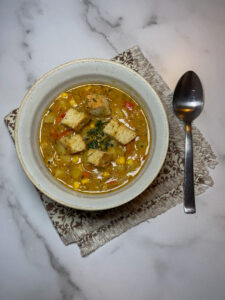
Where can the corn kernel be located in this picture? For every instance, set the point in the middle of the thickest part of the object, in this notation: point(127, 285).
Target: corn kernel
point(92, 125)
point(104, 187)
point(72, 102)
point(80, 167)
point(64, 95)
point(75, 159)
point(76, 185)
point(130, 161)
point(87, 88)
point(106, 174)
point(44, 145)
point(120, 160)
point(85, 181)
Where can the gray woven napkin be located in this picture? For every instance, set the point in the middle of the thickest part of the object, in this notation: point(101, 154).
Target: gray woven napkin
point(91, 230)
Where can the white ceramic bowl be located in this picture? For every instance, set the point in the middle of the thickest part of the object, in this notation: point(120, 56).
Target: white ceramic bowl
point(69, 75)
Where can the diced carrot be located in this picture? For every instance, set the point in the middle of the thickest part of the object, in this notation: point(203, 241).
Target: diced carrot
point(129, 147)
point(98, 89)
point(84, 94)
point(66, 132)
point(70, 96)
point(57, 109)
point(58, 119)
point(86, 174)
point(112, 182)
point(129, 105)
point(57, 135)
point(89, 167)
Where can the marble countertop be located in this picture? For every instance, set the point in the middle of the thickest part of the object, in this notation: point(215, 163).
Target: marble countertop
point(174, 256)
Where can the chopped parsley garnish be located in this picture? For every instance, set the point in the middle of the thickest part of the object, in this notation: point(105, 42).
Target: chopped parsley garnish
point(96, 138)
point(106, 144)
point(98, 130)
point(93, 144)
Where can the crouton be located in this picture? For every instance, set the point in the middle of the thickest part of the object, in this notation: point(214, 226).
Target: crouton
point(73, 143)
point(111, 128)
point(97, 105)
point(125, 135)
point(120, 132)
point(75, 119)
point(98, 158)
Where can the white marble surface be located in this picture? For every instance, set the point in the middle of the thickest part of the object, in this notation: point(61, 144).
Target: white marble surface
point(174, 256)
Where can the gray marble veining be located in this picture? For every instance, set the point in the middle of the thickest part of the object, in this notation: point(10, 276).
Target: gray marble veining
point(27, 234)
point(97, 23)
point(25, 14)
point(149, 261)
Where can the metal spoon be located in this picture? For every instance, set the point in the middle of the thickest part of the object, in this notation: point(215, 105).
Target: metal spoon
point(187, 104)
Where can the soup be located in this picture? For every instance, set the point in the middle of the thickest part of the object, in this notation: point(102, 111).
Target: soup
point(94, 138)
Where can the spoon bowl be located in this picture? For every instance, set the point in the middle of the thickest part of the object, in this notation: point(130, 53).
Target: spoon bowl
point(188, 102)
point(188, 97)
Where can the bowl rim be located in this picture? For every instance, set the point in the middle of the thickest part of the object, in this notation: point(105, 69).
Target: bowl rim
point(25, 99)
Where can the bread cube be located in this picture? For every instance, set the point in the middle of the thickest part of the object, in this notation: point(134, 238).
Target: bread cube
point(73, 143)
point(111, 128)
point(75, 119)
point(120, 132)
point(125, 135)
point(98, 158)
point(97, 105)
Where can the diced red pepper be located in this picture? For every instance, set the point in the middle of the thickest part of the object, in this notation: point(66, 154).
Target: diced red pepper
point(63, 115)
point(129, 105)
point(60, 116)
point(86, 174)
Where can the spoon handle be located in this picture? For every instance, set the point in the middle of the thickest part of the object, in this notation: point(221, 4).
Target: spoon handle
point(189, 193)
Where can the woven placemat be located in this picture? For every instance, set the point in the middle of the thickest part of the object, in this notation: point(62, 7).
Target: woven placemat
point(91, 230)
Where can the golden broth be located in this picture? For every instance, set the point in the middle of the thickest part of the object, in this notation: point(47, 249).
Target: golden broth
point(74, 171)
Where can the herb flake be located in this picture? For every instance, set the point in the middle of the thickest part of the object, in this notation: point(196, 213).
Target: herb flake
point(96, 138)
